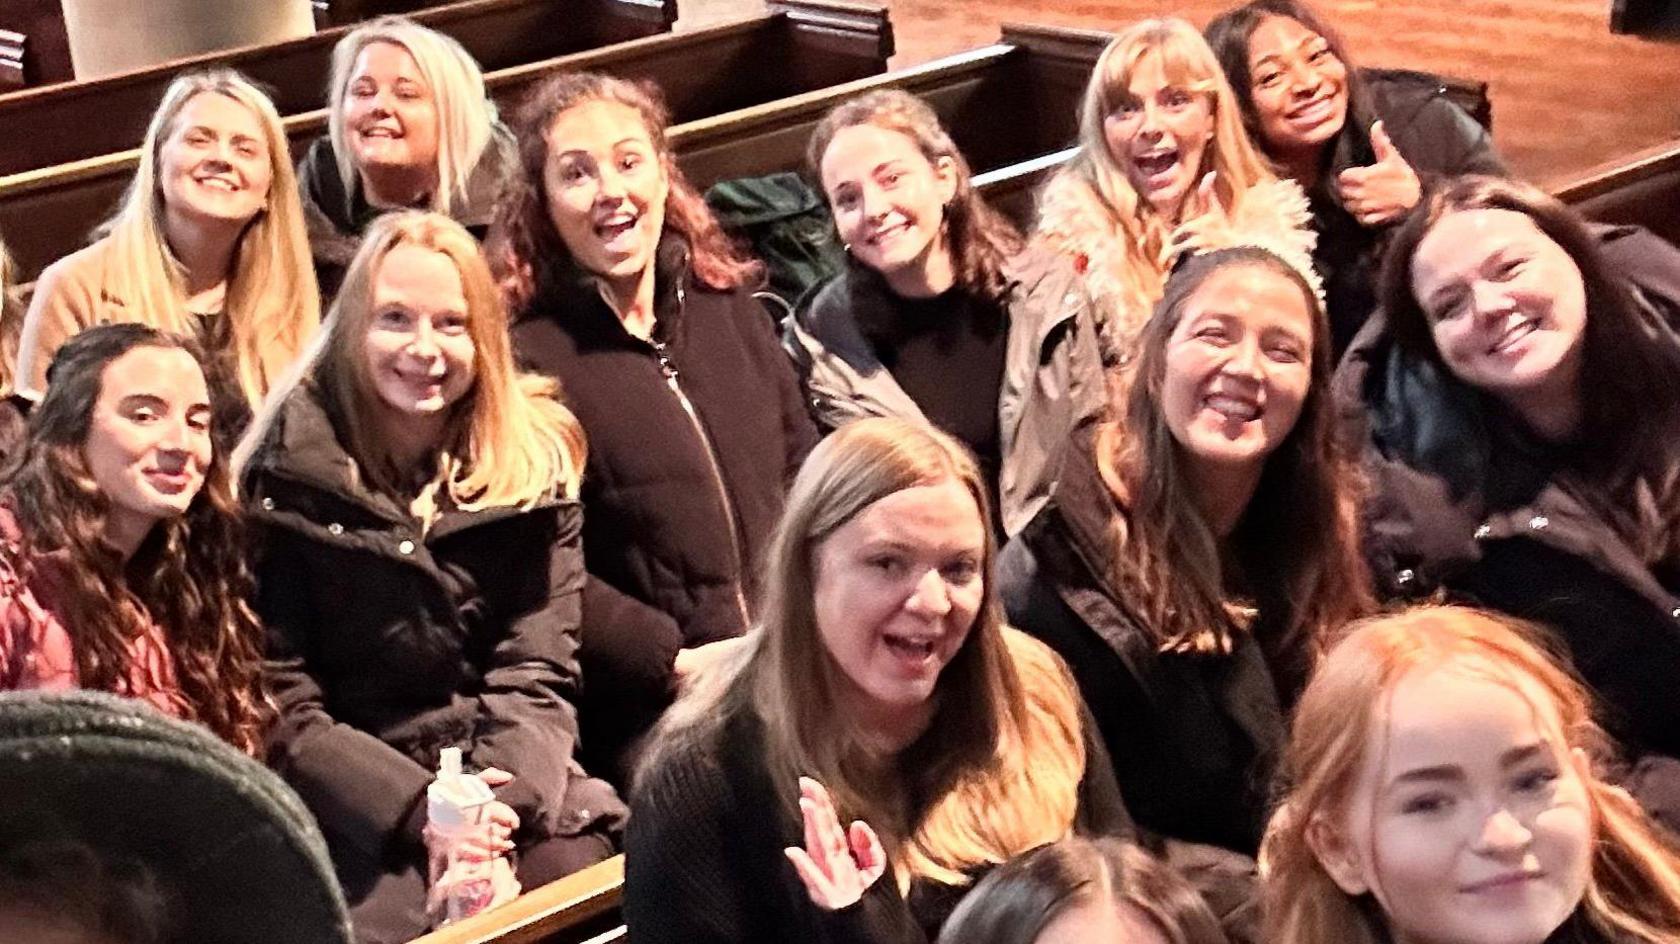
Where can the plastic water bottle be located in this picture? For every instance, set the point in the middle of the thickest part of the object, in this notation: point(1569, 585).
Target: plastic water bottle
point(454, 806)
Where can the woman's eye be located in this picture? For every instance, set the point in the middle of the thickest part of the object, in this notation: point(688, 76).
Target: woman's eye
point(1267, 79)
point(1536, 781)
point(1319, 55)
point(1284, 354)
point(1127, 109)
point(892, 178)
point(1426, 804)
point(199, 422)
point(452, 324)
point(1508, 268)
point(1213, 333)
point(961, 572)
point(1176, 98)
point(392, 318)
point(888, 565)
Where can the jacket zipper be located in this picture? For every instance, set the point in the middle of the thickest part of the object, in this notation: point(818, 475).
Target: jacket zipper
point(669, 369)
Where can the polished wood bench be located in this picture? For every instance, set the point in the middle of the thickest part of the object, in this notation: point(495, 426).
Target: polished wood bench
point(578, 909)
point(72, 121)
point(1642, 188)
point(796, 46)
point(1003, 103)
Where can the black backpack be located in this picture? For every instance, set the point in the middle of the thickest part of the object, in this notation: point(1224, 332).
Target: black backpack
point(788, 226)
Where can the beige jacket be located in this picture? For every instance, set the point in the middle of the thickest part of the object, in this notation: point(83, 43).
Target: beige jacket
point(72, 294)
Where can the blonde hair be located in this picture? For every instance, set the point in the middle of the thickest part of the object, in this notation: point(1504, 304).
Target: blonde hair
point(272, 302)
point(1090, 207)
point(1634, 890)
point(1003, 756)
point(11, 325)
point(510, 440)
point(466, 118)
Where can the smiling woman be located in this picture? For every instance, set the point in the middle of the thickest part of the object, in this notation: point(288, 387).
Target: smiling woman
point(419, 574)
point(628, 292)
point(100, 585)
point(881, 689)
point(1164, 166)
point(941, 315)
point(410, 126)
point(1196, 549)
point(209, 242)
point(1518, 397)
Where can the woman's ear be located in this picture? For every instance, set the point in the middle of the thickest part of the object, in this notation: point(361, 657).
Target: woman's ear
point(1337, 856)
point(945, 171)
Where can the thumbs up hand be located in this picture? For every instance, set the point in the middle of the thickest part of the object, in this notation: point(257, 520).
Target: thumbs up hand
point(1384, 191)
point(1206, 224)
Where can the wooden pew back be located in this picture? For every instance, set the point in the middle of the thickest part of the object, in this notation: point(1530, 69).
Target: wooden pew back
point(48, 213)
point(72, 121)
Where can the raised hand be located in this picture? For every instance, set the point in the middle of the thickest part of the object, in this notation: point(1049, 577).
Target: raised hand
point(1206, 222)
point(837, 865)
point(1384, 191)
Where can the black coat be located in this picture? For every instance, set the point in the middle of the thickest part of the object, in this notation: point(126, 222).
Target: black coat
point(680, 504)
point(704, 861)
point(336, 218)
point(1464, 502)
point(1193, 738)
point(386, 645)
point(1437, 137)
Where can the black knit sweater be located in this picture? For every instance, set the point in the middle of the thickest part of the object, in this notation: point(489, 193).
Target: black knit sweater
point(704, 861)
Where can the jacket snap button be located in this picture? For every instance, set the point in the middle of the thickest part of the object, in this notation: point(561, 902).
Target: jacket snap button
point(1405, 576)
point(407, 546)
point(1483, 531)
point(267, 503)
point(1675, 612)
point(335, 529)
point(1539, 522)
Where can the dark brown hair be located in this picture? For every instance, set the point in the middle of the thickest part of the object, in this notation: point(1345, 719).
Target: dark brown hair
point(1634, 399)
point(527, 253)
point(189, 576)
point(982, 240)
point(1296, 546)
point(1020, 898)
point(1229, 33)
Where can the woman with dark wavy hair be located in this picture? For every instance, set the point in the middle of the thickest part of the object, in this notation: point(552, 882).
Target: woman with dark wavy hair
point(1518, 400)
point(1200, 545)
point(625, 288)
point(1362, 143)
point(121, 553)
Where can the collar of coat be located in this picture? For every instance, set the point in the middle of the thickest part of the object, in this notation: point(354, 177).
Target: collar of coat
point(303, 450)
point(569, 292)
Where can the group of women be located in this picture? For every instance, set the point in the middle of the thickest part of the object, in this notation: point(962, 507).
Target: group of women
point(991, 601)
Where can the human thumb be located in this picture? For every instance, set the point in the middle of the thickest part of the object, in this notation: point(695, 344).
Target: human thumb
point(1380, 143)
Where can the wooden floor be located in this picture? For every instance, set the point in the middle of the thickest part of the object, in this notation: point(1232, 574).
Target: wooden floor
point(1567, 94)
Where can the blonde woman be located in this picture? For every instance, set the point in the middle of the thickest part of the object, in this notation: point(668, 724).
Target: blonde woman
point(420, 574)
point(208, 242)
point(1164, 165)
point(409, 126)
point(880, 688)
point(1445, 786)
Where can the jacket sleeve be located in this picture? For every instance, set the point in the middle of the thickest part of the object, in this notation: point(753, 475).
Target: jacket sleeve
point(527, 721)
point(799, 431)
point(62, 306)
point(1448, 142)
point(628, 646)
point(362, 790)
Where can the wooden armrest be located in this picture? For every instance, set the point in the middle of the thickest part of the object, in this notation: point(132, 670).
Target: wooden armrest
point(541, 912)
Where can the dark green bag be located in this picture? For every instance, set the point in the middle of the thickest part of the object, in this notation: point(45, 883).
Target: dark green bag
point(788, 226)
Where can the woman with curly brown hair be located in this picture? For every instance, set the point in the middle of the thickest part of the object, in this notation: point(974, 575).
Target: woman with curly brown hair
point(121, 554)
point(625, 288)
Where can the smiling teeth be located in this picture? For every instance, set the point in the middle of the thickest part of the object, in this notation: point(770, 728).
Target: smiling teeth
point(1232, 408)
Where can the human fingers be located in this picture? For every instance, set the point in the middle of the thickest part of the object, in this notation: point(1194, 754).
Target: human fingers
point(816, 882)
point(867, 851)
point(495, 776)
point(1381, 145)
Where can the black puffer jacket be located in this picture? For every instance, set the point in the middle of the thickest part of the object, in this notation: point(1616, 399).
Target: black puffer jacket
point(336, 217)
point(692, 440)
point(1193, 738)
point(387, 644)
point(1463, 501)
point(1434, 135)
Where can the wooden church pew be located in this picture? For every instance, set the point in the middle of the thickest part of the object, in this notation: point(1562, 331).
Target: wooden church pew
point(71, 121)
point(577, 909)
point(1003, 103)
point(795, 46)
point(1641, 188)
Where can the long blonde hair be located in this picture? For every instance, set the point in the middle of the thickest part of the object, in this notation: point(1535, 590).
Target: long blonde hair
point(1634, 890)
point(1090, 208)
point(466, 117)
point(272, 302)
point(510, 440)
point(1004, 754)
